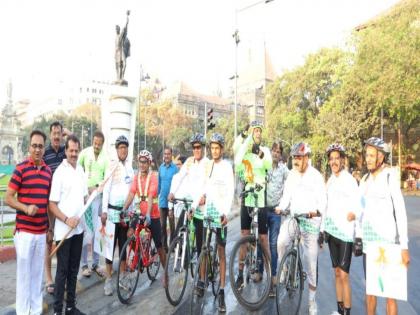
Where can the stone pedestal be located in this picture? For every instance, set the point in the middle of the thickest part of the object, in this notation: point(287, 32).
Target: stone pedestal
point(119, 118)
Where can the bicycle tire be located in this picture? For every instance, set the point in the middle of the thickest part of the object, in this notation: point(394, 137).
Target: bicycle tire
point(289, 284)
point(182, 274)
point(153, 268)
point(215, 272)
point(196, 302)
point(249, 241)
point(130, 272)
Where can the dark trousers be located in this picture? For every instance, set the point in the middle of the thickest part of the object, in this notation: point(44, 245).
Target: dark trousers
point(273, 221)
point(68, 263)
point(164, 215)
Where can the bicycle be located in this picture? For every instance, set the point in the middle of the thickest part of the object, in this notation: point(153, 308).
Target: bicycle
point(209, 260)
point(140, 254)
point(250, 294)
point(290, 276)
point(180, 258)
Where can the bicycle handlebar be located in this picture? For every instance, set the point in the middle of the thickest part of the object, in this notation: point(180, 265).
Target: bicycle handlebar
point(301, 215)
point(184, 200)
point(251, 190)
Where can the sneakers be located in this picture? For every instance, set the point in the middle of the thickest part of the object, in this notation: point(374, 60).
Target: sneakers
point(73, 311)
point(257, 277)
point(199, 289)
point(98, 271)
point(239, 283)
point(86, 272)
point(222, 304)
point(313, 309)
point(272, 292)
point(108, 290)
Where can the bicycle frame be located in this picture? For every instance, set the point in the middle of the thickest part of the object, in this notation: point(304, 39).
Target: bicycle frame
point(142, 249)
point(184, 231)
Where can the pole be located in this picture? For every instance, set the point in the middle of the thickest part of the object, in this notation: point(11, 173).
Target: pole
point(205, 120)
point(82, 136)
point(138, 108)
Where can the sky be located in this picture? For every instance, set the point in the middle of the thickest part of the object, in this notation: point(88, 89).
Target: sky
point(47, 41)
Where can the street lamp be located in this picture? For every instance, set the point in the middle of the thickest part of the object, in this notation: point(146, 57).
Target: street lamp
point(235, 36)
point(142, 78)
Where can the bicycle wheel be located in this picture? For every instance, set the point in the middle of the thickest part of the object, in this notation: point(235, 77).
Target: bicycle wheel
point(153, 268)
point(176, 272)
point(196, 302)
point(215, 272)
point(251, 292)
point(193, 260)
point(128, 279)
point(289, 284)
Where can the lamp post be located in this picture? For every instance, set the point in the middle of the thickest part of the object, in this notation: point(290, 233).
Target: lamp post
point(235, 36)
point(142, 78)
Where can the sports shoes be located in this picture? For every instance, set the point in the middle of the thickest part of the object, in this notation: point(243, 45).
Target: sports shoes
point(313, 308)
point(73, 311)
point(86, 272)
point(239, 283)
point(108, 290)
point(199, 289)
point(222, 304)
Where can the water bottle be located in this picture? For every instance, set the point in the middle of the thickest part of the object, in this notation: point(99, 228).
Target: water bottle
point(143, 237)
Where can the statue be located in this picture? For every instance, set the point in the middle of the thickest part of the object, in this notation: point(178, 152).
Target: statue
point(122, 52)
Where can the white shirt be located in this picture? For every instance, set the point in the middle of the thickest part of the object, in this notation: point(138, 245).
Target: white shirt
point(118, 186)
point(219, 188)
point(377, 219)
point(305, 193)
point(342, 197)
point(68, 189)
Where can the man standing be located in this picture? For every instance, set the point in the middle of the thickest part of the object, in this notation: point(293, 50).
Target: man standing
point(114, 194)
point(276, 178)
point(166, 172)
point(53, 156)
point(68, 193)
point(384, 217)
point(94, 163)
point(252, 162)
point(31, 180)
point(338, 223)
point(304, 192)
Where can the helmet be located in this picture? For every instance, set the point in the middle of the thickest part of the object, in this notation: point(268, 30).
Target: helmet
point(217, 138)
point(300, 149)
point(121, 140)
point(257, 124)
point(198, 138)
point(336, 147)
point(146, 154)
point(379, 144)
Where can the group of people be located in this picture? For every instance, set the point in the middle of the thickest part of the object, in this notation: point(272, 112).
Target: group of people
point(49, 191)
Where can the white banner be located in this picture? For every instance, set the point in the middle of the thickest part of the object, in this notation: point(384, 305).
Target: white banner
point(104, 239)
point(386, 275)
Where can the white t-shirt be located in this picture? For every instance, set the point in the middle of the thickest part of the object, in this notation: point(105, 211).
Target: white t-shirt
point(68, 189)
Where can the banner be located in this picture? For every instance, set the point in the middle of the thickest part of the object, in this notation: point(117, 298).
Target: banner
point(386, 275)
point(104, 239)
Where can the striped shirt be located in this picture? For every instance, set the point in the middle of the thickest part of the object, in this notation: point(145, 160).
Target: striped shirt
point(33, 187)
point(54, 158)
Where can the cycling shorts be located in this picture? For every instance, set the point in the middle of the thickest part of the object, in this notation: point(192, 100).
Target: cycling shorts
point(340, 253)
point(246, 219)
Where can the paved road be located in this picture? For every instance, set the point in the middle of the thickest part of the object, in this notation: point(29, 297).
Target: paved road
point(150, 297)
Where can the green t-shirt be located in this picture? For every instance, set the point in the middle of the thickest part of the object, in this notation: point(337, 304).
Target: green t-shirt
point(253, 169)
point(94, 168)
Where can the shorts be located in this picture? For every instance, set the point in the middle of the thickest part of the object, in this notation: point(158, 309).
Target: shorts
point(340, 253)
point(199, 237)
point(121, 237)
point(246, 219)
point(155, 229)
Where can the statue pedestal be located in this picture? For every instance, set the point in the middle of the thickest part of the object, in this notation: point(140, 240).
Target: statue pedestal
point(119, 118)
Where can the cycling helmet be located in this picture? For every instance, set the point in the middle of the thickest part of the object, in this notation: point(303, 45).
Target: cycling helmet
point(379, 144)
point(198, 138)
point(336, 147)
point(257, 124)
point(146, 154)
point(300, 149)
point(217, 138)
point(121, 140)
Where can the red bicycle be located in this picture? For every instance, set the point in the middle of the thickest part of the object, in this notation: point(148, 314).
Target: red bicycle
point(139, 254)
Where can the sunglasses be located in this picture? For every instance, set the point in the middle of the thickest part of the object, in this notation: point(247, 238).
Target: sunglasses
point(196, 147)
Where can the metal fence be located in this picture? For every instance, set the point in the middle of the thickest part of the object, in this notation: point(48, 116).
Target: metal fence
point(4, 218)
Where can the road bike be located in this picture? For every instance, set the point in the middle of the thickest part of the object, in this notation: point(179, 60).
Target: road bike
point(253, 290)
point(139, 254)
point(181, 257)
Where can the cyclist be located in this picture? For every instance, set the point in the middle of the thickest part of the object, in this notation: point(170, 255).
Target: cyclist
point(191, 178)
point(145, 185)
point(304, 192)
point(383, 210)
point(219, 190)
point(252, 162)
point(113, 197)
point(338, 223)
